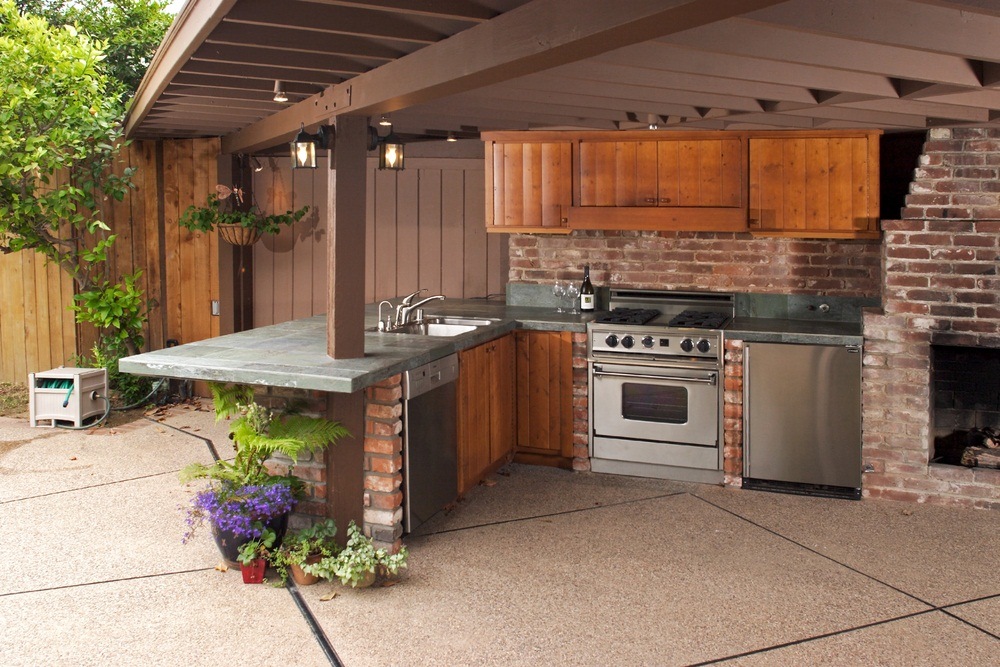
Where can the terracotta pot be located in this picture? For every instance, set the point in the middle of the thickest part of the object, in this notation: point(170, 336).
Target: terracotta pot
point(300, 577)
point(238, 234)
point(229, 544)
point(254, 572)
point(368, 580)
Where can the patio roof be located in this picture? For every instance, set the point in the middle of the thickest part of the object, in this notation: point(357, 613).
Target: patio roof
point(465, 66)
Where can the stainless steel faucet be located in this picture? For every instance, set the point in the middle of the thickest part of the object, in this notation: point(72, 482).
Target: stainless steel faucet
point(403, 311)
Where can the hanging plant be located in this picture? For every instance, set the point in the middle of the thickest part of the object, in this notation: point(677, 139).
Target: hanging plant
point(224, 211)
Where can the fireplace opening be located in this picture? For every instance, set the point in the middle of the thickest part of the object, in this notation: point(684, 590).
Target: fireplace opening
point(965, 385)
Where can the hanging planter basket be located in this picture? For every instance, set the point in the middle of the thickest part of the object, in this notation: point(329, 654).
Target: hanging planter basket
point(238, 234)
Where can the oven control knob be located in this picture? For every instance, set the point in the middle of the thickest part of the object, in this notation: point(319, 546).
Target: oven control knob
point(704, 346)
point(687, 345)
point(628, 342)
point(647, 341)
point(611, 340)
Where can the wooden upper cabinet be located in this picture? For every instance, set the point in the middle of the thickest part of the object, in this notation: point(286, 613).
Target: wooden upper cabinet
point(674, 181)
point(528, 184)
point(821, 185)
point(693, 172)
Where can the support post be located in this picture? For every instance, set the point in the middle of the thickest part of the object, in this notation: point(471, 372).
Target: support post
point(345, 315)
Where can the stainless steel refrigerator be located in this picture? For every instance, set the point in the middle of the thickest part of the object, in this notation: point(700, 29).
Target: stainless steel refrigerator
point(802, 419)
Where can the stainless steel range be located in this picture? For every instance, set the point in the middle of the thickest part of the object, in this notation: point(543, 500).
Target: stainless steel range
point(656, 369)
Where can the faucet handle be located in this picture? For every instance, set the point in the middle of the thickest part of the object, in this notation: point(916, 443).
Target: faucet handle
point(408, 299)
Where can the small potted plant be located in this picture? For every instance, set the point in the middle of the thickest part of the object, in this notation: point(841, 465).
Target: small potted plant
point(253, 556)
point(306, 546)
point(237, 224)
point(359, 564)
point(241, 492)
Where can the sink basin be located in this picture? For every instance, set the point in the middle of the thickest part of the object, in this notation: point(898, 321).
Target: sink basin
point(431, 328)
point(442, 326)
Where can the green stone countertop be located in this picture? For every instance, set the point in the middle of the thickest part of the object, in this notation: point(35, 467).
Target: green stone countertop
point(779, 330)
point(293, 354)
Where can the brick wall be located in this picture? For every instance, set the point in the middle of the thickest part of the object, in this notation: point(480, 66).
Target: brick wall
point(701, 260)
point(310, 468)
point(732, 418)
point(941, 287)
point(383, 501)
point(581, 417)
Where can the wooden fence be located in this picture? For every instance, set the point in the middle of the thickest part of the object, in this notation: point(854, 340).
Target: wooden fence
point(180, 269)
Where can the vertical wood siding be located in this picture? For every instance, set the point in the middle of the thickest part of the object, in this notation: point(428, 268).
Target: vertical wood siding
point(37, 329)
point(425, 229)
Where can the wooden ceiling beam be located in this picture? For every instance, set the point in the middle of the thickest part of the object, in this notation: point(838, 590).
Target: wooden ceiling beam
point(239, 56)
point(317, 77)
point(534, 37)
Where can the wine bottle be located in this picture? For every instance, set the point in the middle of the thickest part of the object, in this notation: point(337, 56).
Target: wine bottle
point(586, 291)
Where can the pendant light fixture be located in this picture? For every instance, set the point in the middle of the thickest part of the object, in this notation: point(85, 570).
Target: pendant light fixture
point(279, 91)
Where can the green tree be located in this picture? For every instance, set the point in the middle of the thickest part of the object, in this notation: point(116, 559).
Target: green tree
point(131, 31)
point(59, 137)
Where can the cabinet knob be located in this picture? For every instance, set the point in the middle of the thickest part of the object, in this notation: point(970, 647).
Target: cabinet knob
point(650, 200)
point(664, 200)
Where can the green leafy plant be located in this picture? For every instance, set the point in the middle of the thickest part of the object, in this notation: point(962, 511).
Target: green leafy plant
point(258, 433)
point(226, 207)
point(259, 547)
point(131, 389)
point(60, 138)
point(298, 547)
point(359, 563)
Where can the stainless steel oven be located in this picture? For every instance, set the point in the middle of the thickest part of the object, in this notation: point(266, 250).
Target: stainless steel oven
point(656, 387)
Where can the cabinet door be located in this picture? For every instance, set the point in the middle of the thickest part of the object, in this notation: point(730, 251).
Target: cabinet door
point(618, 173)
point(545, 397)
point(528, 186)
point(690, 172)
point(501, 361)
point(485, 409)
point(815, 186)
point(473, 416)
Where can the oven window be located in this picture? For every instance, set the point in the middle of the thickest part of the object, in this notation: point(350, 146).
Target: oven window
point(654, 403)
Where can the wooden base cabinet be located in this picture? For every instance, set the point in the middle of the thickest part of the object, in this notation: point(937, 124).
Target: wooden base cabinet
point(544, 398)
point(485, 410)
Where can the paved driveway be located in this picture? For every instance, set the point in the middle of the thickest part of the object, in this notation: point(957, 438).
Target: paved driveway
point(540, 567)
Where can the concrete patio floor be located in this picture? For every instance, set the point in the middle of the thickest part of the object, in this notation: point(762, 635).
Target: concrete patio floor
point(540, 567)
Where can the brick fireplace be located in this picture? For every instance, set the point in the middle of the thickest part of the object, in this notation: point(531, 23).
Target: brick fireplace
point(940, 289)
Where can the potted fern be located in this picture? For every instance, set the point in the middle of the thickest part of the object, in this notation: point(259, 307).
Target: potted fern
point(237, 224)
point(242, 498)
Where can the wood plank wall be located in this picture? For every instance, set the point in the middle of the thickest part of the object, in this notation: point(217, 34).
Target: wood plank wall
point(425, 229)
point(37, 329)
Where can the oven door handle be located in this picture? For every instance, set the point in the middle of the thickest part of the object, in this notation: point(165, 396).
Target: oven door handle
point(710, 380)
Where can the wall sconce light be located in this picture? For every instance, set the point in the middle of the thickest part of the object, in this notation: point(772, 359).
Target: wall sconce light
point(390, 154)
point(256, 164)
point(385, 122)
point(279, 91)
point(451, 137)
point(304, 146)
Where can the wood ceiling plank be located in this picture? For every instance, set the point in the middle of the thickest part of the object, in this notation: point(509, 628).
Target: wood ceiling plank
point(303, 40)
point(462, 10)
point(784, 44)
point(240, 56)
point(950, 30)
point(341, 20)
point(534, 37)
point(262, 72)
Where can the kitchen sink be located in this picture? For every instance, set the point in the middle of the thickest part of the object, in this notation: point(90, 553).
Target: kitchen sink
point(441, 326)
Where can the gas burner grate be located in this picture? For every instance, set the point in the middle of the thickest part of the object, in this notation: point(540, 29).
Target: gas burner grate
point(695, 319)
point(627, 316)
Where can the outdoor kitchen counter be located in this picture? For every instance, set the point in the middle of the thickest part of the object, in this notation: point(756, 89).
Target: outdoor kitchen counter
point(807, 332)
point(293, 354)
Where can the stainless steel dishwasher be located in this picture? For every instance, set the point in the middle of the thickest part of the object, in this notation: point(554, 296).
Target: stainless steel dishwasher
point(430, 440)
point(802, 420)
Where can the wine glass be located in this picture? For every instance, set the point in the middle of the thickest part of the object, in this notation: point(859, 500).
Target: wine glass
point(573, 292)
point(559, 291)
